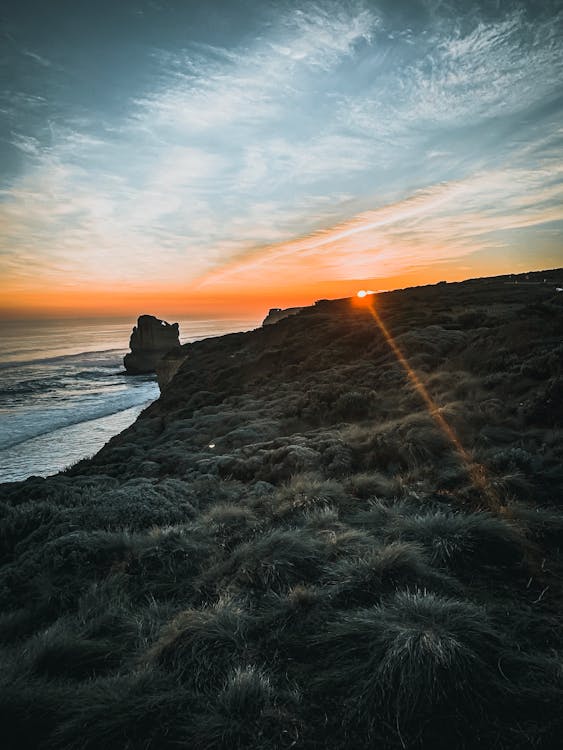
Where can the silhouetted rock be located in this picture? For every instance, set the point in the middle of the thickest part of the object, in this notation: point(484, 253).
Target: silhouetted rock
point(277, 313)
point(150, 340)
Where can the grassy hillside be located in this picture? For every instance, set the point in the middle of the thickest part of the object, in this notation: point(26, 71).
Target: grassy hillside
point(339, 531)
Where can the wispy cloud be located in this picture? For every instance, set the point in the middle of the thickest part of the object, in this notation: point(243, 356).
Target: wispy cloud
point(445, 221)
point(207, 87)
point(460, 77)
point(150, 187)
point(37, 58)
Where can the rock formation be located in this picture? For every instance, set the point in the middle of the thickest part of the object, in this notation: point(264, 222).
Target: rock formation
point(276, 313)
point(150, 340)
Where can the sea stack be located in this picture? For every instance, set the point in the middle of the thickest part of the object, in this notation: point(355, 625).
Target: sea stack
point(150, 340)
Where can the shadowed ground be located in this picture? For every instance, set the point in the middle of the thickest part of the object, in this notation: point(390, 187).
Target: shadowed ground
point(339, 531)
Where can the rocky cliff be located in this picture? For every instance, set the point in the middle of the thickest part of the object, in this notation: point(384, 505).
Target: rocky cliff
point(150, 340)
point(277, 313)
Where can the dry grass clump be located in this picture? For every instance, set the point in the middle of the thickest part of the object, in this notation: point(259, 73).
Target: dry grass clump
point(250, 713)
point(202, 645)
point(306, 492)
point(274, 561)
point(462, 540)
point(361, 582)
point(412, 663)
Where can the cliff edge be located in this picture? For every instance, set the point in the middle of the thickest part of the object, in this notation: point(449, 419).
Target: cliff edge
point(277, 313)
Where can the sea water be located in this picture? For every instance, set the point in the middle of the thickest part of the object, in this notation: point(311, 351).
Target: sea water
point(64, 392)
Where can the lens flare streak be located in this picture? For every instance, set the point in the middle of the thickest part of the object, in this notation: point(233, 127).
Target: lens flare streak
point(475, 471)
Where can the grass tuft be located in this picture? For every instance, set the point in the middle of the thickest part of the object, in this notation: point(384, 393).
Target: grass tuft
point(202, 646)
point(361, 582)
point(411, 661)
point(468, 541)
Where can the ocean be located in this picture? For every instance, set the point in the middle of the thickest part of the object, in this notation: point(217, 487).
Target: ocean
point(64, 392)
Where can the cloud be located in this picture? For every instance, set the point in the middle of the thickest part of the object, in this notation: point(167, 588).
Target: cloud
point(26, 143)
point(445, 221)
point(209, 87)
point(37, 58)
point(458, 76)
point(326, 140)
point(168, 180)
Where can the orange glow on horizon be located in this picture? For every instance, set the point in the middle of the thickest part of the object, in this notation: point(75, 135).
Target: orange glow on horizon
point(242, 296)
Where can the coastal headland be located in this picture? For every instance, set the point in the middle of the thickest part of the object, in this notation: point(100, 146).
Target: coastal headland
point(342, 530)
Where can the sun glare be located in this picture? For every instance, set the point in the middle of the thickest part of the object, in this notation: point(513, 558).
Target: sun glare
point(362, 293)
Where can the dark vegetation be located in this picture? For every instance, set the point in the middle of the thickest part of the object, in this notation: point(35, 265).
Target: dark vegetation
point(334, 572)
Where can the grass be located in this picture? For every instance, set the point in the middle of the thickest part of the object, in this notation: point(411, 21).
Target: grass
point(360, 582)
point(201, 645)
point(415, 661)
point(331, 574)
point(457, 540)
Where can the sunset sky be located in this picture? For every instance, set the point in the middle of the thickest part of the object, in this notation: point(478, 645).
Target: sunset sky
point(213, 157)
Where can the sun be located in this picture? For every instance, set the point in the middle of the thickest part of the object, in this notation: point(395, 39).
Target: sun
point(362, 293)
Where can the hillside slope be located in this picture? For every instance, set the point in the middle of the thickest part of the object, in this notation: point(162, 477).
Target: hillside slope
point(339, 531)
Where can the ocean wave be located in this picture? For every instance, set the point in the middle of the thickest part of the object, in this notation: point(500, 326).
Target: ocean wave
point(39, 387)
point(65, 358)
point(32, 421)
point(46, 454)
point(20, 383)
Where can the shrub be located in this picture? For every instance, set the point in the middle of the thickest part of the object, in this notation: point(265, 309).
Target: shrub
point(30, 710)
point(71, 657)
point(164, 563)
point(306, 492)
point(229, 524)
point(22, 622)
point(19, 523)
point(354, 405)
point(373, 485)
point(287, 622)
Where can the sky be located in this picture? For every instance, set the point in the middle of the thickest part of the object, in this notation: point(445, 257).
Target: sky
point(226, 157)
